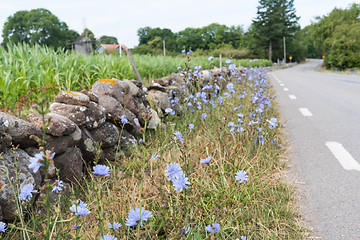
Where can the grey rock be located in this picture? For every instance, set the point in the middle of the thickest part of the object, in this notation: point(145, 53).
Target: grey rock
point(154, 121)
point(92, 96)
point(159, 99)
point(73, 98)
point(60, 144)
point(25, 176)
point(133, 89)
point(58, 125)
point(5, 139)
point(109, 87)
point(108, 135)
point(114, 110)
point(19, 130)
point(75, 113)
point(89, 147)
point(96, 116)
point(70, 165)
point(128, 142)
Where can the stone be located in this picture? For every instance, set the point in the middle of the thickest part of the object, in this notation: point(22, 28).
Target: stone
point(89, 148)
point(154, 121)
point(75, 113)
point(131, 104)
point(70, 165)
point(156, 86)
point(92, 96)
point(133, 89)
point(58, 125)
point(112, 107)
point(96, 116)
point(114, 110)
point(73, 98)
point(109, 87)
point(108, 135)
point(5, 139)
point(25, 176)
point(127, 142)
point(60, 144)
point(19, 130)
point(159, 99)
point(162, 81)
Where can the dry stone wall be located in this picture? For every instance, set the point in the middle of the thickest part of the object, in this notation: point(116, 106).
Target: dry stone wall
point(81, 126)
point(84, 126)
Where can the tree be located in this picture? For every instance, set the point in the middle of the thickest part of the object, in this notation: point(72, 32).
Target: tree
point(37, 26)
point(338, 37)
point(107, 40)
point(156, 36)
point(275, 19)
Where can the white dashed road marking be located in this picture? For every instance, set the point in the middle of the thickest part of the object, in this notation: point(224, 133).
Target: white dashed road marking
point(293, 97)
point(305, 112)
point(343, 156)
point(282, 84)
point(286, 89)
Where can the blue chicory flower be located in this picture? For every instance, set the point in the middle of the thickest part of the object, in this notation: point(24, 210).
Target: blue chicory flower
point(180, 182)
point(210, 58)
point(178, 135)
point(213, 228)
point(172, 170)
point(37, 161)
point(80, 208)
point(191, 126)
point(203, 116)
point(58, 185)
point(136, 215)
point(155, 157)
point(205, 160)
point(124, 119)
point(242, 176)
point(228, 61)
point(26, 192)
point(2, 226)
point(114, 226)
point(108, 237)
point(102, 170)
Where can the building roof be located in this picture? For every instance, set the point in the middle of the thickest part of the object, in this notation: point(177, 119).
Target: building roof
point(112, 46)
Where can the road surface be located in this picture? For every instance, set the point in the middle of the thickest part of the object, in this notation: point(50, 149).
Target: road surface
point(322, 116)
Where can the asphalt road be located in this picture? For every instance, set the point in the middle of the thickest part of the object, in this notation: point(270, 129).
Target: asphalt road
point(322, 116)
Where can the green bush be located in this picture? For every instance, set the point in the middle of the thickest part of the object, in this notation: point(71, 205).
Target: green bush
point(344, 47)
point(232, 53)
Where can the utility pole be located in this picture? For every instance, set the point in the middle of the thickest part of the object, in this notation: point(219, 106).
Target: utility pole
point(284, 51)
point(164, 47)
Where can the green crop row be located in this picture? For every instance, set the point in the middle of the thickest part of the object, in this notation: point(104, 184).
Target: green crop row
point(25, 68)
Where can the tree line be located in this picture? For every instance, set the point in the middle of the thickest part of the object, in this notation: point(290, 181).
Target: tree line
point(335, 36)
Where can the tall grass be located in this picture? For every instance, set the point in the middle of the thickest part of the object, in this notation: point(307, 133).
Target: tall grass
point(25, 68)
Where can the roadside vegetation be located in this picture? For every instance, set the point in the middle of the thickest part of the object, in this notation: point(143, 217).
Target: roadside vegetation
point(214, 173)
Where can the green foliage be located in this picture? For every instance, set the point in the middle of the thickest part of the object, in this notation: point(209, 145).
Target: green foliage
point(38, 26)
point(337, 35)
point(107, 40)
point(275, 19)
point(344, 47)
point(231, 53)
point(209, 37)
point(144, 49)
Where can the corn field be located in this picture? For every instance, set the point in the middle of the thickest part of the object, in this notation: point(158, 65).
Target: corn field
point(25, 68)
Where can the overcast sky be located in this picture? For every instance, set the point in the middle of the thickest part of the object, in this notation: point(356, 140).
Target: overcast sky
point(122, 18)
